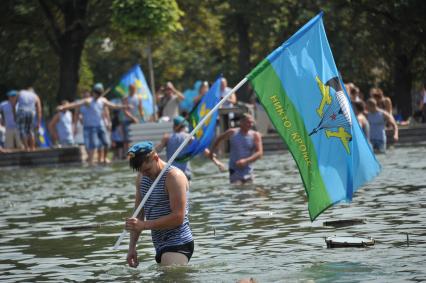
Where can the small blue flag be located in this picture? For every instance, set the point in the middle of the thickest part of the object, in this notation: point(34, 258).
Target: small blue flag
point(205, 135)
point(42, 136)
point(189, 94)
point(136, 77)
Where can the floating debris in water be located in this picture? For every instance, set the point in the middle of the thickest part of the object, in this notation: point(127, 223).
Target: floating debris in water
point(341, 242)
point(257, 213)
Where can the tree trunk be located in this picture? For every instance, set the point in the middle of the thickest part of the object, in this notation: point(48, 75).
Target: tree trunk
point(69, 30)
point(69, 66)
point(402, 85)
point(71, 43)
point(244, 54)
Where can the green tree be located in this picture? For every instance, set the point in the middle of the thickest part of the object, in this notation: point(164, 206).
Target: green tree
point(146, 18)
point(400, 27)
point(381, 43)
point(194, 53)
point(55, 45)
point(68, 23)
point(255, 28)
point(85, 74)
point(25, 55)
point(59, 28)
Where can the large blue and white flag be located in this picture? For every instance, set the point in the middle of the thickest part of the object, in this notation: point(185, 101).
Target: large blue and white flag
point(299, 86)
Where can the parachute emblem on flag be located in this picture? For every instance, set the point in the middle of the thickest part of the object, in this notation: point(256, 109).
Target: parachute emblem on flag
point(334, 112)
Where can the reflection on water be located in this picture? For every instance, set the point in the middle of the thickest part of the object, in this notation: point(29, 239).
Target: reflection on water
point(261, 231)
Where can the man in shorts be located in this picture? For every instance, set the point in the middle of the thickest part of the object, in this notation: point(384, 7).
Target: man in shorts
point(28, 111)
point(166, 210)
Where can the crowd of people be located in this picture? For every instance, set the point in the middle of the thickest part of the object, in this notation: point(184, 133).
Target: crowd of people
point(98, 123)
point(374, 116)
point(104, 124)
point(21, 117)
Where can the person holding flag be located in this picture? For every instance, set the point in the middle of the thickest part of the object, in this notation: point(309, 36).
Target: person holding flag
point(135, 101)
point(166, 211)
point(172, 141)
point(204, 87)
point(203, 137)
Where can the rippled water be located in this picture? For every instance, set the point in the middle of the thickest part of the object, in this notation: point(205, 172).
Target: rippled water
point(261, 231)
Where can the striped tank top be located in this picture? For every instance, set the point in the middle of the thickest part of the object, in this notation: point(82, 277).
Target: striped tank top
point(158, 205)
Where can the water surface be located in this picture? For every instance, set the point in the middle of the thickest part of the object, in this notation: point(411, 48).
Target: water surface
point(261, 231)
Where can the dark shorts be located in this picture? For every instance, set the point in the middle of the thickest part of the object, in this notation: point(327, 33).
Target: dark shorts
point(379, 145)
point(239, 176)
point(185, 249)
point(126, 131)
point(25, 122)
point(118, 144)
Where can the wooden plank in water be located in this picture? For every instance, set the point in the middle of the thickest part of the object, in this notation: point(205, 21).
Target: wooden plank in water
point(81, 227)
point(344, 222)
point(341, 242)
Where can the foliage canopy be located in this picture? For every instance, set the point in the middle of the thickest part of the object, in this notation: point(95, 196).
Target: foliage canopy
point(375, 43)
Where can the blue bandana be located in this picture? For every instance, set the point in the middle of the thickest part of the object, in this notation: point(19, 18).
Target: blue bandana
point(180, 121)
point(11, 93)
point(143, 148)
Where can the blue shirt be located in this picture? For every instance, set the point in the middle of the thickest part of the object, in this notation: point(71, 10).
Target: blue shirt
point(93, 113)
point(9, 119)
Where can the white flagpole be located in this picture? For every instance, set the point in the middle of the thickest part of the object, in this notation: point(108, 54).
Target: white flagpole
point(173, 157)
